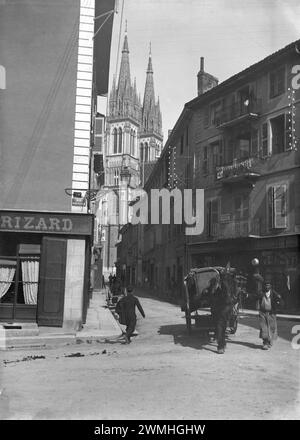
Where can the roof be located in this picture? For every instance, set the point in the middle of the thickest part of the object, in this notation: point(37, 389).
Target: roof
point(254, 68)
point(146, 170)
point(190, 105)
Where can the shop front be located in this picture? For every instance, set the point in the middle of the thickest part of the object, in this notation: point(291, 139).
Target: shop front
point(44, 267)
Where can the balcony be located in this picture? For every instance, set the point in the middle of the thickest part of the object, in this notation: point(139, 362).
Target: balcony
point(237, 229)
point(239, 112)
point(243, 172)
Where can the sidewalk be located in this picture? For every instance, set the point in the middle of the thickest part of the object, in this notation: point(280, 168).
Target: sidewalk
point(100, 325)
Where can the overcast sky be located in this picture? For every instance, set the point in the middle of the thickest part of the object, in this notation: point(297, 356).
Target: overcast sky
point(230, 35)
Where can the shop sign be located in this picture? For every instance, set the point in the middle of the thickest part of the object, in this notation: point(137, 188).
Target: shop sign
point(49, 223)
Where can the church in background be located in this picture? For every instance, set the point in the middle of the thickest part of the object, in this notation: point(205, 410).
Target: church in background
point(133, 143)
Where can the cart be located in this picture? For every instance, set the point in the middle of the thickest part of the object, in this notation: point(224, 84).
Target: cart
point(197, 296)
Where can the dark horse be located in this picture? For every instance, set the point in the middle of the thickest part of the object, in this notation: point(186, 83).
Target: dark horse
point(224, 295)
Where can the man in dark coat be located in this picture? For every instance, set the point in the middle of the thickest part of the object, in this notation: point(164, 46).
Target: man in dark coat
point(125, 308)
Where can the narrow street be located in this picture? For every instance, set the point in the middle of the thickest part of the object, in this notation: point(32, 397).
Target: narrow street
point(163, 374)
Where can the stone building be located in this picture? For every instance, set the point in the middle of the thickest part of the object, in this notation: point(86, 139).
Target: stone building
point(239, 141)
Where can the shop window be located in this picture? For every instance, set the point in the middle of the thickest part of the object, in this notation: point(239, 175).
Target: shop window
point(277, 206)
point(277, 82)
point(19, 276)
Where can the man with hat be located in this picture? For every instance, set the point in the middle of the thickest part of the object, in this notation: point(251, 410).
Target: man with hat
point(125, 308)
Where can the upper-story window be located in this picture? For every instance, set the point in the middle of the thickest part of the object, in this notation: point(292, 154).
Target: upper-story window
point(215, 113)
point(120, 140)
point(115, 138)
point(142, 152)
point(205, 160)
point(116, 177)
point(277, 206)
point(280, 134)
point(277, 82)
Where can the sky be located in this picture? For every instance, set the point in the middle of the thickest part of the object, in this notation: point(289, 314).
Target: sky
point(230, 34)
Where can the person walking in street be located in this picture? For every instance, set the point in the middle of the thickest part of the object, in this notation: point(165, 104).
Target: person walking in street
point(268, 301)
point(125, 308)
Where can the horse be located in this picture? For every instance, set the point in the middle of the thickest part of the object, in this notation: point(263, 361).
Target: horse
point(224, 294)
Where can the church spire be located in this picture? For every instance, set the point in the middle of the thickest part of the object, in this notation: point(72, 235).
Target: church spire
point(149, 97)
point(124, 75)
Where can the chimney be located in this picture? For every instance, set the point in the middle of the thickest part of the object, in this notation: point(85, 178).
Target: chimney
point(205, 80)
point(202, 64)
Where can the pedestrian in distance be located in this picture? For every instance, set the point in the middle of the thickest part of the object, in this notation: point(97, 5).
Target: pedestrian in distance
point(268, 303)
point(125, 308)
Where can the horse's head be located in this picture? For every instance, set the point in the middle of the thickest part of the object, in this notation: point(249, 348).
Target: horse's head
point(228, 282)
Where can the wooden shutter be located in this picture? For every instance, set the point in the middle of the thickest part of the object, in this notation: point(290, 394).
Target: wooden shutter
point(208, 218)
point(288, 138)
point(264, 139)
point(270, 201)
point(52, 282)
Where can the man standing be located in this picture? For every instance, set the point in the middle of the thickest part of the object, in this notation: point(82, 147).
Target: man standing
point(125, 308)
point(268, 302)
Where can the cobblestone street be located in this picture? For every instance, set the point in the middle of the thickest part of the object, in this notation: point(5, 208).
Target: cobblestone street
point(163, 374)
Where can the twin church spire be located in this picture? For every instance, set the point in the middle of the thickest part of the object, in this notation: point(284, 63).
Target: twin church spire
point(125, 102)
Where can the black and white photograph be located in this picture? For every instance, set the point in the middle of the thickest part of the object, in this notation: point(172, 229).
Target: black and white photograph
point(149, 214)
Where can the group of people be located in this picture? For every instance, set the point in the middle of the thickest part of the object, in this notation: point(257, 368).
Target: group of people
point(267, 302)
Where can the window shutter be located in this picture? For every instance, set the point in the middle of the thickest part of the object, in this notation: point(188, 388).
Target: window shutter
point(280, 211)
point(220, 153)
point(52, 282)
point(208, 218)
point(288, 133)
point(270, 197)
point(264, 139)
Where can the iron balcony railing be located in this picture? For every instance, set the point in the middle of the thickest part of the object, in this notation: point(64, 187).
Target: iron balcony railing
point(238, 168)
point(237, 229)
point(238, 110)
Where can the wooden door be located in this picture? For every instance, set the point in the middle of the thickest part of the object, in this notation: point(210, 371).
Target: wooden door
point(52, 282)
